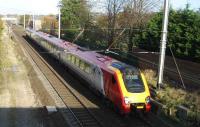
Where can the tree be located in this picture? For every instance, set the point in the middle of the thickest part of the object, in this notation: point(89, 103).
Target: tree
point(136, 15)
point(181, 38)
point(113, 8)
point(50, 24)
point(74, 13)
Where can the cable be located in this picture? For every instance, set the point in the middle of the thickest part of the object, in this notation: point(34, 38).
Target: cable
point(177, 67)
point(97, 29)
point(78, 36)
point(116, 39)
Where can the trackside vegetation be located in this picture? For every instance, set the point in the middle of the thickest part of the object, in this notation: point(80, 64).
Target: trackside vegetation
point(173, 97)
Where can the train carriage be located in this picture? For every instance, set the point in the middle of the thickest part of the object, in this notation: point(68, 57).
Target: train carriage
point(123, 85)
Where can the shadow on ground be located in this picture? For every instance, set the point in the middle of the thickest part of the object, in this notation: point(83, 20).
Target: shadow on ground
point(29, 117)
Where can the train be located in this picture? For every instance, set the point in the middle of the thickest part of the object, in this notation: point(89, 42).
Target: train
point(120, 84)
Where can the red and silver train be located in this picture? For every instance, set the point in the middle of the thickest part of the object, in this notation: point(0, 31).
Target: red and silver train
point(121, 84)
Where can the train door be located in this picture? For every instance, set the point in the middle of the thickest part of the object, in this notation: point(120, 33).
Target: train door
point(98, 79)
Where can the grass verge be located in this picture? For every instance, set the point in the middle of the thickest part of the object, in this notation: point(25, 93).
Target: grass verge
point(173, 97)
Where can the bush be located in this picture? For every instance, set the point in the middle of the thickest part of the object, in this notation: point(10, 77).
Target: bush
point(173, 97)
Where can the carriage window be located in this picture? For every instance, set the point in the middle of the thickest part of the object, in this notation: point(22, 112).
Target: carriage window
point(53, 48)
point(88, 68)
point(46, 45)
point(38, 39)
point(49, 46)
point(33, 35)
point(68, 57)
point(82, 65)
point(72, 59)
point(43, 42)
point(77, 61)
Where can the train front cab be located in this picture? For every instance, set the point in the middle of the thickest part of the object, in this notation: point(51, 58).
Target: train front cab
point(133, 98)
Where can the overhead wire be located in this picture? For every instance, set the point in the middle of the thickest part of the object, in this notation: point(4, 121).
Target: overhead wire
point(181, 78)
point(78, 36)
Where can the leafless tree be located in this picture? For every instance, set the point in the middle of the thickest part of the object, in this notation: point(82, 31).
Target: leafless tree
point(137, 13)
point(113, 8)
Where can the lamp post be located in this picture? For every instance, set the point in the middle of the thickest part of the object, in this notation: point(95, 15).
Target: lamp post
point(59, 18)
point(163, 43)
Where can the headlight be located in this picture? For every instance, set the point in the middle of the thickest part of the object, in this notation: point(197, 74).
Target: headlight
point(126, 100)
point(147, 99)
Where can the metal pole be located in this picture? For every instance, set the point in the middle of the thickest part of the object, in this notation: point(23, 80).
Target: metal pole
point(24, 21)
point(163, 43)
point(59, 23)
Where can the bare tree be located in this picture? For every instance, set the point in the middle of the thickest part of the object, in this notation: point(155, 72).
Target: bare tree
point(113, 8)
point(136, 14)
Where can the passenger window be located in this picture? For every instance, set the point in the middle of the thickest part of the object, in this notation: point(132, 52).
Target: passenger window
point(113, 80)
point(73, 59)
point(54, 48)
point(68, 57)
point(77, 61)
point(49, 46)
point(88, 68)
point(43, 42)
point(82, 65)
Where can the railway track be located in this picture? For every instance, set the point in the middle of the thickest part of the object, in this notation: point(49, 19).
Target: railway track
point(78, 112)
point(77, 105)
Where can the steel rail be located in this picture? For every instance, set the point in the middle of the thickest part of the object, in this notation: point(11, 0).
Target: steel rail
point(75, 115)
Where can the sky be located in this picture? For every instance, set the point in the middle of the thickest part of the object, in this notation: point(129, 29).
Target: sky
point(195, 4)
point(50, 6)
point(29, 6)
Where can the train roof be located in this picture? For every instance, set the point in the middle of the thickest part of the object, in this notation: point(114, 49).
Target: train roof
point(122, 66)
point(92, 57)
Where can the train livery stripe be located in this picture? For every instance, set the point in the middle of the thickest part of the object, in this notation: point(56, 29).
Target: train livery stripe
point(120, 80)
